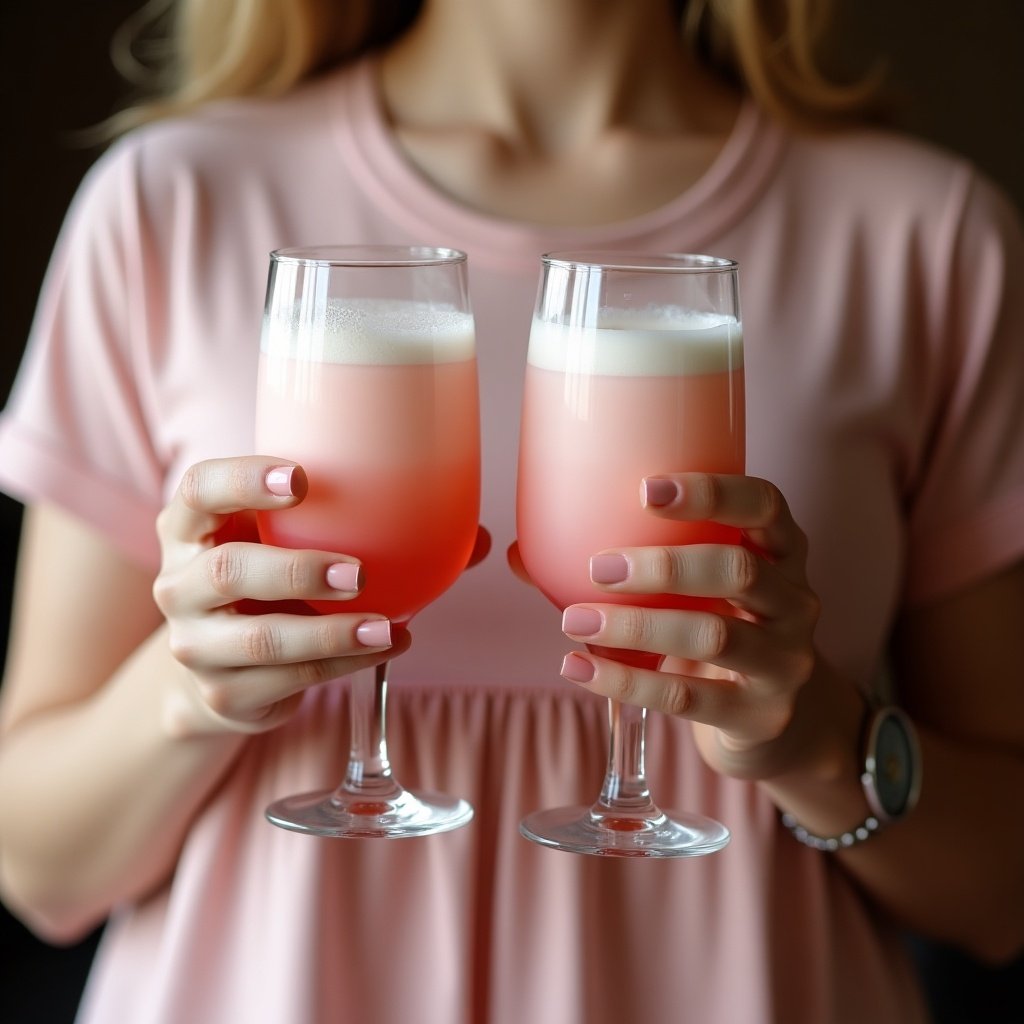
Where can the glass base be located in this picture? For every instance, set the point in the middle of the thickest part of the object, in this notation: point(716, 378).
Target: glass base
point(668, 834)
point(337, 814)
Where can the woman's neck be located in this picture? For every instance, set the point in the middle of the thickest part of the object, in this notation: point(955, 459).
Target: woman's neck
point(495, 100)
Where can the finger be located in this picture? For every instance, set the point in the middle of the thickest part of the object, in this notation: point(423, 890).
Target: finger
point(711, 701)
point(238, 693)
point(713, 571)
point(233, 572)
point(728, 643)
point(246, 641)
point(753, 505)
point(212, 490)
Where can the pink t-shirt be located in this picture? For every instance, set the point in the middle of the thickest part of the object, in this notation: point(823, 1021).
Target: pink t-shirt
point(885, 364)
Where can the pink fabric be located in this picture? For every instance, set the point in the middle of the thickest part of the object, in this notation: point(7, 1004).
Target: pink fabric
point(884, 368)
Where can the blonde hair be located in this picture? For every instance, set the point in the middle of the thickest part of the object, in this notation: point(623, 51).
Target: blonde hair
point(771, 48)
point(185, 53)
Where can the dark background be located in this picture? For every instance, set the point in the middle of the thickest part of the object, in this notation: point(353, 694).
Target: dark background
point(955, 78)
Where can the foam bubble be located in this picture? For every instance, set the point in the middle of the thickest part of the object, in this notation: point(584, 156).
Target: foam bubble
point(657, 341)
point(370, 331)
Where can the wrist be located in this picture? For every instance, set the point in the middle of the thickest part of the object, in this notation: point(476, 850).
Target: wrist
point(889, 776)
point(818, 784)
point(820, 747)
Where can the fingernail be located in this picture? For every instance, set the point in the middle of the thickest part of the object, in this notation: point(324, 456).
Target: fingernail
point(345, 576)
point(279, 481)
point(658, 492)
point(581, 621)
point(609, 568)
point(374, 633)
point(577, 669)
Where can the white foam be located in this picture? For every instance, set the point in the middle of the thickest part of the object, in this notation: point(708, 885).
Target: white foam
point(662, 341)
point(370, 332)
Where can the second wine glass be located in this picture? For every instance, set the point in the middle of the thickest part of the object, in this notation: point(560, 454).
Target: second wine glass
point(368, 379)
point(635, 368)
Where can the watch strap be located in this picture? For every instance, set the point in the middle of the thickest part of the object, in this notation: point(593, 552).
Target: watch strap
point(830, 844)
point(874, 822)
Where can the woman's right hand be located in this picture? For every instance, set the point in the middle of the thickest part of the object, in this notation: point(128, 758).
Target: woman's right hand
point(247, 648)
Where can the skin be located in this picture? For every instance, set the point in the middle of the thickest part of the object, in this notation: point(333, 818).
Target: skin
point(158, 681)
point(163, 680)
point(767, 707)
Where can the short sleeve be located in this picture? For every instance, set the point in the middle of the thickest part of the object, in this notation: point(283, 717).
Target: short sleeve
point(967, 511)
point(75, 431)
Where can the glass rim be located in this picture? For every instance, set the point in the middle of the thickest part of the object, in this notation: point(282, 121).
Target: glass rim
point(640, 262)
point(368, 256)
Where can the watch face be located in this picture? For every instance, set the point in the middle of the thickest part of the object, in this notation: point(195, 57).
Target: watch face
point(892, 764)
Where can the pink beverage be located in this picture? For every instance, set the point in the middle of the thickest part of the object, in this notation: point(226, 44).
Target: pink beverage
point(645, 393)
point(382, 412)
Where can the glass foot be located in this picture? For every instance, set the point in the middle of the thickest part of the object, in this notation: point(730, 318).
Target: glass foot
point(668, 834)
point(335, 813)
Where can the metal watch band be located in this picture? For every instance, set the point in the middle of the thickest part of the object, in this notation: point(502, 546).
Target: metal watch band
point(830, 844)
point(856, 835)
point(890, 778)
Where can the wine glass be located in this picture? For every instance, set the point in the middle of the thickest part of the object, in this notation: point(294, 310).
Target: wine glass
point(368, 379)
point(635, 368)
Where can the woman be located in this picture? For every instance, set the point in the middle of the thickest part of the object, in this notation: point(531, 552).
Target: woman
point(883, 356)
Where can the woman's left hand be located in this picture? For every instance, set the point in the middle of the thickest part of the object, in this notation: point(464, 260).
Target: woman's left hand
point(736, 674)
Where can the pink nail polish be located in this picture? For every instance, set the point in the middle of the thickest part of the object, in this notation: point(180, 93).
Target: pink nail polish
point(577, 669)
point(345, 576)
point(279, 481)
point(374, 633)
point(581, 621)
point(609, 568)
point(658, 492)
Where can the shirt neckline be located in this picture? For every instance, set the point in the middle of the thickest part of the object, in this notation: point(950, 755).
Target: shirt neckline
point(689, 222)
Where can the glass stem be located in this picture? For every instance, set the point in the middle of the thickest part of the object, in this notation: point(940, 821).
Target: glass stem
point(369, 770)
point(625, 797)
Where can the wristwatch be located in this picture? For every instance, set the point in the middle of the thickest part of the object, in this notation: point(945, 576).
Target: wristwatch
point(891, 778)
point(892, 764)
